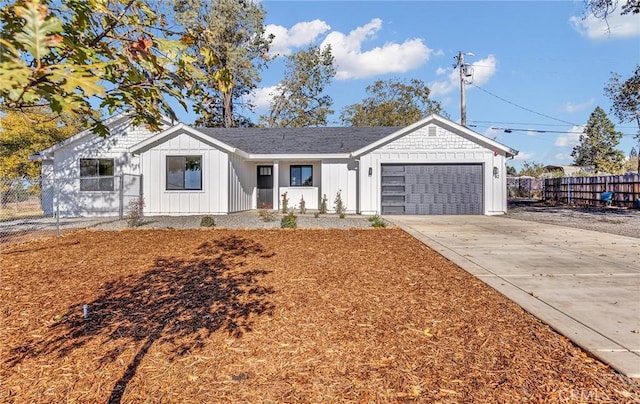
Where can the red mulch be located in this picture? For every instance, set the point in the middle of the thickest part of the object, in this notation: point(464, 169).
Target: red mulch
point(272, 316)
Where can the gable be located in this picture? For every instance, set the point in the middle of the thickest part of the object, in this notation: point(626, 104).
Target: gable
point(448, 134)
point(431, 137)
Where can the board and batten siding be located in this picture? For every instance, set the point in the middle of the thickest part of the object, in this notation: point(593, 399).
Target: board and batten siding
point(212, 199)
point(66, 170)
point(439, 146)
point(242, 184)
point(340, 176)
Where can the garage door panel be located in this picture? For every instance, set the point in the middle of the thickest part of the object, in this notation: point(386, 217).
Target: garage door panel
point(432, 189)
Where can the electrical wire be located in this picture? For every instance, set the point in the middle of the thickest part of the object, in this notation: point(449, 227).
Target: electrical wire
point(521, 107)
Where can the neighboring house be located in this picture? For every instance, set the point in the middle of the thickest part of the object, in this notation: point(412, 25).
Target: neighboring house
point(434, 166)
point(565, 170)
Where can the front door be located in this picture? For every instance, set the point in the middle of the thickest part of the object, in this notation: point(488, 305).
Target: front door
point(265, 187)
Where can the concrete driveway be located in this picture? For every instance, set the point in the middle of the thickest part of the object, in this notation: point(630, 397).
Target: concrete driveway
point(584, 284)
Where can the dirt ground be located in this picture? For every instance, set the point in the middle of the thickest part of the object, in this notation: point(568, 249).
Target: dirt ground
point(272, 316)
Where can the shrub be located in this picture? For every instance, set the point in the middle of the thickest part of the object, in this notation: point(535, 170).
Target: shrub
point(323, 205)
point(134, 213)
point(376, 221)
point(316, 214)
point(207, 221)
point(303, 206)
point(289, 221)
point(266, 214)
point(285, 203)
point(339, 205)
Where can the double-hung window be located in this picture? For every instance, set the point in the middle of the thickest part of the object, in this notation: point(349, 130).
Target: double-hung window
point(184, 173)
point(96, 174)
point(301, 176)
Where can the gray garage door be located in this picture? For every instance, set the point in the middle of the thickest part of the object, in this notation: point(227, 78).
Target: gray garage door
point(432, 189)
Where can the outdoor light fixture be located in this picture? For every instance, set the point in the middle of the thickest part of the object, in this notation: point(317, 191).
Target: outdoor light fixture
point(370, 171)
point(495, 172)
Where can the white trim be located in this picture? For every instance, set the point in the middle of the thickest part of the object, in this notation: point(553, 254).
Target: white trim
point(178, 129)
point(452, 126)
point(296, 157)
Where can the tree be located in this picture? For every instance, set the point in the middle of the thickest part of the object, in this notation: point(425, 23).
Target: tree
point(625, 98)
point(230, 39)
point(75, 56)
point(633, 162)
point(511, 171)
point(531, 169)
point(299, 100)
point(597, 145)
point(392, 103)
point(22, 134)
point(603, 8)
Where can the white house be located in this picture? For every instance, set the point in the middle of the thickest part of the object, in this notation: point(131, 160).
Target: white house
point(434, 166)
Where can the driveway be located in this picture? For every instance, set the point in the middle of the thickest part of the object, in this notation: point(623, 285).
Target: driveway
point(584, 284)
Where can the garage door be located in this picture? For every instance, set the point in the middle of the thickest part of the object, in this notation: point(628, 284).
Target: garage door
point(432, 189)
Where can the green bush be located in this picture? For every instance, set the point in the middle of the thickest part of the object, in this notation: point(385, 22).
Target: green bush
point(376, 221)
point(289, 221)
point(323, 205)
point(207, 221)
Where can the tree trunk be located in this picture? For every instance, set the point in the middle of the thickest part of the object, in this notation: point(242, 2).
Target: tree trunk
point(227, 109)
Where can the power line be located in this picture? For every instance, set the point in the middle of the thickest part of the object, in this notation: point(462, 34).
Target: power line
point(537, 124)
point(509, 130)
point(521, 107)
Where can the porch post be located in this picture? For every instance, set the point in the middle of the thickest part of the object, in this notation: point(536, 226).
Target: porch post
point(276, 185)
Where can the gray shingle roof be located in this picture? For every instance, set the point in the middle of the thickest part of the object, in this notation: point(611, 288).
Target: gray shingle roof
point(317, 140)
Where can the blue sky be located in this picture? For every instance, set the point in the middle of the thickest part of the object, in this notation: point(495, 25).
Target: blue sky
point(539, 64)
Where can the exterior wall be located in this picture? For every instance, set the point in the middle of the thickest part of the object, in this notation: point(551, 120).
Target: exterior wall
point(242, 184)
point(340, 176)
point(444, 147)
point(214, 196)
point(66, 170)
point(294, 194)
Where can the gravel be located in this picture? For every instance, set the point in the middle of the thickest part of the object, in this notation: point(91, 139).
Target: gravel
point(612, 220)
point(244, 220)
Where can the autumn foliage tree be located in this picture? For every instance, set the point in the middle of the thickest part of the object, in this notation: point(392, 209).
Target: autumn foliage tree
point(228, 37)
point(74, 57)
point(25, 133)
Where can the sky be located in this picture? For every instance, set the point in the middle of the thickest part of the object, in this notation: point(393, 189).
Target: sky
point(537, 65)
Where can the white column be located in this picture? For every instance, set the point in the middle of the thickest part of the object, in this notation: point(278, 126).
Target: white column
point(276, 185)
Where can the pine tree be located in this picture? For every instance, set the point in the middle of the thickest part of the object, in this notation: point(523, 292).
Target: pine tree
point(597, 147)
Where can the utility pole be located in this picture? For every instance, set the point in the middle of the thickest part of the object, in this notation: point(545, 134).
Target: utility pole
point(463, 74)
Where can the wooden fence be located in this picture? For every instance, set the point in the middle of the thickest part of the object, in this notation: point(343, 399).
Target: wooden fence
point(588, 190)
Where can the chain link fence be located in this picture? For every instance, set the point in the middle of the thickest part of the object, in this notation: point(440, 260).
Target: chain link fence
point(39, 207)
point(525, 188)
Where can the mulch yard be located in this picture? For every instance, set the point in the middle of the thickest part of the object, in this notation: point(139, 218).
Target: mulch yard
point(272, 316)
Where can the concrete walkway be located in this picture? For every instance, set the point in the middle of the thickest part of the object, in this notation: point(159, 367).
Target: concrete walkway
point(584, 284)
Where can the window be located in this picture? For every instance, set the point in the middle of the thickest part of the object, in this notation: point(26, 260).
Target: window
point(184, 173)
point(301, 176)
point(96, 174)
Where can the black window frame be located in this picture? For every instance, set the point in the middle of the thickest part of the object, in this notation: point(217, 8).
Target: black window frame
point(173, 187)
point(102, 177)
point(301, 167)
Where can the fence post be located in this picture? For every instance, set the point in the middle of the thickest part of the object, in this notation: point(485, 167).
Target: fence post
point(56, 187)
point(121, 196)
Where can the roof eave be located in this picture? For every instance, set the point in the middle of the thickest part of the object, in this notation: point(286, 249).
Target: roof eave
point(299, 157)
point(165, 134)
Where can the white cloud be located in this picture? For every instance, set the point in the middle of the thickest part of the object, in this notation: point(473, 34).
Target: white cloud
point(571, 107)
point(563, 158)
point(616, 26)
point(483, 70)
point(571, 138)
point(261, 97)
point(352, 62)
point(440, 71)
point(523, 155)
point(299, 35)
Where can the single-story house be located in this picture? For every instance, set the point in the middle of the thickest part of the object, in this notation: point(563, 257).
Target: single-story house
point(434, 166)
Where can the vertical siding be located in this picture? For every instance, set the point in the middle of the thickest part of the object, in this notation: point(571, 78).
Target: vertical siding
point(242, 184)
point(212, 199)
point(340, 176)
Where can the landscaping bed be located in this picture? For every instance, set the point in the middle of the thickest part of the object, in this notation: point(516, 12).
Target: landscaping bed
point(358, 315)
